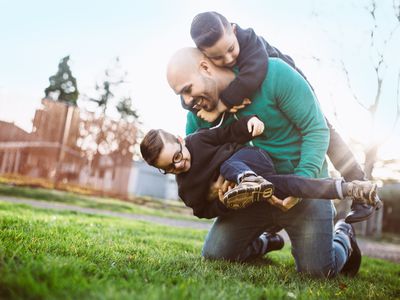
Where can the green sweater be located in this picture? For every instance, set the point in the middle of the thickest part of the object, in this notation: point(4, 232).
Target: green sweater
point(296, 135)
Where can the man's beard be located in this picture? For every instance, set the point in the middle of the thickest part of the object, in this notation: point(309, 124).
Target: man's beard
point(211, 94)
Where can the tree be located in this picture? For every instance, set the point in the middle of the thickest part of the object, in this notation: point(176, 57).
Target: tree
point(124, 107)
point(104, 135)
point(380, 65)
point(63, 85)
point(380, 42)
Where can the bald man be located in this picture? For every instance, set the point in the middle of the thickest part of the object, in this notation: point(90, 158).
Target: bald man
point(296, 136)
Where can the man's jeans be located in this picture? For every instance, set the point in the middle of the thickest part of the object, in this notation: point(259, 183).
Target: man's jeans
point(309, 224)
point(256, 160)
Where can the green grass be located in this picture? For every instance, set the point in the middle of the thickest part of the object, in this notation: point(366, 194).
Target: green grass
point(64, 255)
point(144, 206)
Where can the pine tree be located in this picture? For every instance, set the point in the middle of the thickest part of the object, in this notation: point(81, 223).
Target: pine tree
point(63, 85)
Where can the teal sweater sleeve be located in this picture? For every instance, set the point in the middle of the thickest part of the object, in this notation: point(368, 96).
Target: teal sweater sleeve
point(297, 101)
point(192, 123)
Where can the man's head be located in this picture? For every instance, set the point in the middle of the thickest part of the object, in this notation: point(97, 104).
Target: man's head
point(216, 38)
point(193, 76)
point(165, 151)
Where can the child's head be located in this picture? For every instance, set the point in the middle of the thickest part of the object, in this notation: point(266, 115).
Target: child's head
point(216, 38)
point(165, 151)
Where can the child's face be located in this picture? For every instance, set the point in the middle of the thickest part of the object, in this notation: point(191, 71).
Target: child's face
point(174, 158)
point(225, 51)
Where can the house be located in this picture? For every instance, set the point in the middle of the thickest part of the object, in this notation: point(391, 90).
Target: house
point(145, 180)
point(57, 150)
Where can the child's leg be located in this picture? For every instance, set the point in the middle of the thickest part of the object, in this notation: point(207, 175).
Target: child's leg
point(344, 161)
point(248, 160)
point(342, 158)
point(251, 160)
point(303, 187)
point(251, 188)
point(327, 188)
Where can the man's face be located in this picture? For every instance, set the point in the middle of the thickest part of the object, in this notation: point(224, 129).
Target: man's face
point(198, 90)
point(225, 51)
point(174, 158)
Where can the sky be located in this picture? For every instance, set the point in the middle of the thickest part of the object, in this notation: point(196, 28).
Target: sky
point(35, 35)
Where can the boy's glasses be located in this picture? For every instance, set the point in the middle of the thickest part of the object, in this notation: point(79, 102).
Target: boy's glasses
point(177, 158)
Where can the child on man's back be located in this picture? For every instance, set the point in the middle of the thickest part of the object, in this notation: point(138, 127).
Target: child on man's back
point(227, 45)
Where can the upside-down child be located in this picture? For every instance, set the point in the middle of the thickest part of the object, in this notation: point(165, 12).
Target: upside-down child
point(198, 160)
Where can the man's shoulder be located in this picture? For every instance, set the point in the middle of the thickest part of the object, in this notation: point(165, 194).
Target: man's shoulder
point(277, 69)
point(278, 64)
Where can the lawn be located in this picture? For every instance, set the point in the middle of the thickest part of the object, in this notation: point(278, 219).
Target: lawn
point(141, 205)
point(65, 255)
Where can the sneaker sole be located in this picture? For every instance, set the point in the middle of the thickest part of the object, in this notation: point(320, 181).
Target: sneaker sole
point(355, 216)
point(237, 199)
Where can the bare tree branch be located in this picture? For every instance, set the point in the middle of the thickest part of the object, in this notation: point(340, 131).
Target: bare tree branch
point(371, 11)
point(397, 102)
point(396, 8)
point(346, 72)
point(379, 81)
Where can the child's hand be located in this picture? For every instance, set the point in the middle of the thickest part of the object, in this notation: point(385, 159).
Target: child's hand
point(209, 116)
point(234, 109)
point(255, 126)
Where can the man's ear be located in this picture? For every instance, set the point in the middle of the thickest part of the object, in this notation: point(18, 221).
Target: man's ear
point(234, 28)
point(204, 66)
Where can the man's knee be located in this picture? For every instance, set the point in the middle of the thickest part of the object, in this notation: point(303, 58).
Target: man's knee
point(214, 252)
point(319, 271)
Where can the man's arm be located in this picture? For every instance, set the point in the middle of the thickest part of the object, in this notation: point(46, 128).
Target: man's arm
point(297, 101)
point(252, 63)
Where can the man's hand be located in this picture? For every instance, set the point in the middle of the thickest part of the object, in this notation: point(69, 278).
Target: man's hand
point(284, 204)
point(234, 109)
point(219, 188)
point(255, 126)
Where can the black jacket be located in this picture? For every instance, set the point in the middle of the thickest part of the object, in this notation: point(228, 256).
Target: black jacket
point(252, 63)
point(209, 148)
point(253, 66)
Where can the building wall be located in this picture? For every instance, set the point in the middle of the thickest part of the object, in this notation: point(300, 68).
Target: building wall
point(148, 181)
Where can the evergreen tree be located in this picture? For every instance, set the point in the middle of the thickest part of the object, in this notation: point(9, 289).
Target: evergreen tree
point(63, 85)
point(124, 107)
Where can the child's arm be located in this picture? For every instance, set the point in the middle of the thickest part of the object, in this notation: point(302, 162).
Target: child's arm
point(252, 63)
point(240, 131)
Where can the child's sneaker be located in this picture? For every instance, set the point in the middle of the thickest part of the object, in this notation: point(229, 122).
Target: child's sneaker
point(365, 200)
point(251, 189)
point(362, 191)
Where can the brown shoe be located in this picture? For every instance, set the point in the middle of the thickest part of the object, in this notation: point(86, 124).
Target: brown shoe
point(251, 189)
